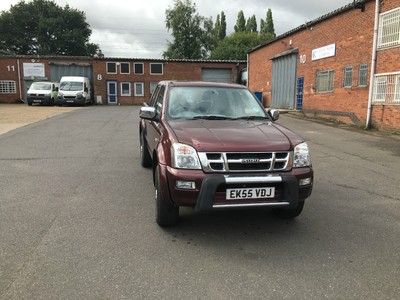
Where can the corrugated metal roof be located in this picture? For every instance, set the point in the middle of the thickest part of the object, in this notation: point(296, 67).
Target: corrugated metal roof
point(60, 57)
point(306, 25)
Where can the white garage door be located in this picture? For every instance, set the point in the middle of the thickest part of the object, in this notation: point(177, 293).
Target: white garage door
point(217, 75)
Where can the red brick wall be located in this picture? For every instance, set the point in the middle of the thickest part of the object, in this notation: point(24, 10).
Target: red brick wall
point(171, 71)
point(177, 70)
point(9, 72)
point(352, 31)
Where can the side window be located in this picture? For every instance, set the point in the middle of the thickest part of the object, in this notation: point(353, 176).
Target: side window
point(159, 101)
point(154, 95)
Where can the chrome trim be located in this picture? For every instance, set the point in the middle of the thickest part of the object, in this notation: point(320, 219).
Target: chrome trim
point(221, 159)
point(252, 179)
point(259, 204)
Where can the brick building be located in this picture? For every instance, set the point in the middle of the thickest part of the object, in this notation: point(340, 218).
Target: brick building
point(323, 67)
point(115, 80)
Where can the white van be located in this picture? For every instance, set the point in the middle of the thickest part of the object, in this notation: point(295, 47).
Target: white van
point(74, 90)
point(43, 92)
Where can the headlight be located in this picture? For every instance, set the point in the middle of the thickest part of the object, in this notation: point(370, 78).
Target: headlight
point(184, 157)
point(301, 156)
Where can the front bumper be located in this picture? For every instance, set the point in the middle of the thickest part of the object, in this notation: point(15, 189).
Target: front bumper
point(40, 99)
point(210, 190)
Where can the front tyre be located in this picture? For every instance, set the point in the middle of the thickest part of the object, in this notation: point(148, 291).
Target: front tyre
point(289, 213)
point(166, 213)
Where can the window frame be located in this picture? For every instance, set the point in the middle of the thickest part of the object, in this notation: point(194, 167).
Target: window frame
point(115, 66)
point(135, 85)
point(396, 96)
point(134, 68)
point(386, 34)
point(380, 82)
point(8, 87)
point(331, 81)
point(122, 90)
point(348, 77)
point(362, 68)
point(125, 63)
point(162, 68)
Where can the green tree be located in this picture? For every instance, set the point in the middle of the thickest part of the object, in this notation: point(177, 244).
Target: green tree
point(191, 32)
point(269, 24)
point(263, 27)
point(251, 25)
point(240, 22)
point(41, 27)
point(222, 33)
point(236, 46)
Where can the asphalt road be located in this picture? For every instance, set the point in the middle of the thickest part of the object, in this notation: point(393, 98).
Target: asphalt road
point(77, 221)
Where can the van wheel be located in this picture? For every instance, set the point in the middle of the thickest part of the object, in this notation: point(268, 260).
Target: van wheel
point(30, 103)
point(166, 213)
point(289, 213)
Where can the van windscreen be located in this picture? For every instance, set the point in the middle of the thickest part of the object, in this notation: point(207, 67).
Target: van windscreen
point(71, 86)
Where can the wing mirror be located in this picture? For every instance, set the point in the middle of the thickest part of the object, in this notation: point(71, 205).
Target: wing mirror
point(274, 114)
point(147, 112)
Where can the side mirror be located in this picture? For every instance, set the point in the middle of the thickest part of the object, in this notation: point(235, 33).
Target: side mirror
point(147, 112)
point(56, 89)
point(86, 89)
point(274, 114)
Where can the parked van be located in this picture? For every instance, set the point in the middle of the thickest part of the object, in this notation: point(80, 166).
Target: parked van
point(42, 93)
point(74, 90)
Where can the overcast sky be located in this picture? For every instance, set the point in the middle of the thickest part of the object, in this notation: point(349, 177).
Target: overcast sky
point(136, 28)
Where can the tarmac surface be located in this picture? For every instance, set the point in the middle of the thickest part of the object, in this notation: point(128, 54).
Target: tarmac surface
point(13, 116)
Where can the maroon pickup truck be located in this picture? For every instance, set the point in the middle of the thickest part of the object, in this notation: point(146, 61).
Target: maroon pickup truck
point(213, 145)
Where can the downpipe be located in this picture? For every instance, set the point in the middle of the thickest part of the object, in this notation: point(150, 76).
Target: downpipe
point(373, 64)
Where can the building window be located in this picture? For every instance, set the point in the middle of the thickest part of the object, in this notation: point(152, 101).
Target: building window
point(380, 88)
point(387, 88)
point(125, 88)
point(138, 68)
point(111, 68)
point(156, 69)
point(7, 87)
point(348, 77)
point(389, 29)
point(153, 86)
point(397, 89)
point(324, 81)
point(125, 68)
point(363, 75)
point(139, 89)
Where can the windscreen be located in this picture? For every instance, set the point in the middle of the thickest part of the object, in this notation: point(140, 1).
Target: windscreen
point(41, 86)
point(71, 86)
point(213, 102)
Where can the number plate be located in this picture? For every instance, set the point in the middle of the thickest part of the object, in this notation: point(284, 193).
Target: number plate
point(37, 100)
point(250, 193)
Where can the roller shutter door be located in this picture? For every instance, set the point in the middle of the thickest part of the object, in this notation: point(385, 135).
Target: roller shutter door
point(217, 75)
point(284, 81)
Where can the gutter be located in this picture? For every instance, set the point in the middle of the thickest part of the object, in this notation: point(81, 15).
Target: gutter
point(373, 64)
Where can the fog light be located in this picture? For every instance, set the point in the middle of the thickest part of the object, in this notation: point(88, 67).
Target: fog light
point(305, 181)
point(185, 185)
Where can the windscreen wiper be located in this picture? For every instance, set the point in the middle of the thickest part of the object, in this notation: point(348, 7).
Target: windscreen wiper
point(211, 117)
point(249, 118)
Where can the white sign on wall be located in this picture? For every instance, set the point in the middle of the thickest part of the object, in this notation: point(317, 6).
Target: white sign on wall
point(324, 52)
point(33, 70)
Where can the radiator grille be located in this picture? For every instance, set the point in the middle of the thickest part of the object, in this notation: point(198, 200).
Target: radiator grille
point(245, 161)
